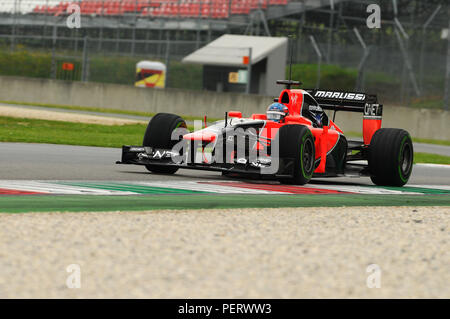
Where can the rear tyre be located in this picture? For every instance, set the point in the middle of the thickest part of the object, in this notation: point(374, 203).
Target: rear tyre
point(390, 157)
point(297, 142)
point(158, 135)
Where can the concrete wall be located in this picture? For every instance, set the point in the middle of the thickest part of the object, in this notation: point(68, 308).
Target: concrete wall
point(421, 123)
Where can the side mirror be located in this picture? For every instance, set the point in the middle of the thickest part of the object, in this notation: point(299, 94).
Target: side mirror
point(235, 114)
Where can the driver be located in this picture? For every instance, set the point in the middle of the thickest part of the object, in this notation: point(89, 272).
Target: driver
point(277, 112)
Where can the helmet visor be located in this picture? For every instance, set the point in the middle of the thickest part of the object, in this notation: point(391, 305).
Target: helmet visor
point(275, 116)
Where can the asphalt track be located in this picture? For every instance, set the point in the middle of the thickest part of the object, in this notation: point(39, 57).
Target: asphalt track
point(282, 252)
point(21, 161)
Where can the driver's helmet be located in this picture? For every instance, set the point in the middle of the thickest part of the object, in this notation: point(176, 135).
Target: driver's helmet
point(277, 112)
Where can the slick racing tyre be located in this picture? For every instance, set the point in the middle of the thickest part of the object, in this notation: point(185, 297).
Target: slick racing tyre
point(390, 157)
point(297, 142)
point(158, 135)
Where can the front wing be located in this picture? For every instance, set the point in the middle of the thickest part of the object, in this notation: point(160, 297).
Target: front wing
point(139, 155)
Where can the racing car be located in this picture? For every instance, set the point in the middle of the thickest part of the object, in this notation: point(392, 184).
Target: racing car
point(292, 143)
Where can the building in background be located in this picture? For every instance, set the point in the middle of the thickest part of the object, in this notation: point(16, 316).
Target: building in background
point(239, 63)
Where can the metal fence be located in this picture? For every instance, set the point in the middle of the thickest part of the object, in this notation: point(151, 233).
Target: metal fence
point(406, 61)
point(410, 74)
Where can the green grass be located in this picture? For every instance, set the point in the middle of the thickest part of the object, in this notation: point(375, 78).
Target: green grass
point(431, 158)
point(431, 141)
point(186, 117)
point(57, 132)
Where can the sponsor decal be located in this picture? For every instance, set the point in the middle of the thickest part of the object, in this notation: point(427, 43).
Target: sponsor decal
point(257, 164)
point(373, 110)
point(294, 98)
point(262, 162)
point(161, 153)
point(340, 95)
point(157, 154)
point(315, 108)
point(142, 156)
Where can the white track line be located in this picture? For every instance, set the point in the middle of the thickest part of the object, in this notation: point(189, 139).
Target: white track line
point(57, 187)
point(363, 189)
point(441, 187)
point(54, 188)
point(444, 166)
point(211, 188)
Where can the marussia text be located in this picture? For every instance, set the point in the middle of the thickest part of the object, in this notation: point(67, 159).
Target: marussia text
point(340, 95)
point(231, 308)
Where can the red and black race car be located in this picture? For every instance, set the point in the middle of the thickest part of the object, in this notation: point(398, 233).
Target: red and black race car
point(302, 144)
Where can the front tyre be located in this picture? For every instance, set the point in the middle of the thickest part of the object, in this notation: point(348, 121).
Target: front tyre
point(159, 135)
point(391, 156)
point(297, 142)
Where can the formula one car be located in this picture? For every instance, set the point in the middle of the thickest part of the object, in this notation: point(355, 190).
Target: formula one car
point(294, 142)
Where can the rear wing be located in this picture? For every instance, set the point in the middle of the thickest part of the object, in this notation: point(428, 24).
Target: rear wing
point(348, 101)
point(353, 102)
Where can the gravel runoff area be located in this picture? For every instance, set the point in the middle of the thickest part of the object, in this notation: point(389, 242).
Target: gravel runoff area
point(242, 253)
point(18, 112)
